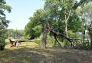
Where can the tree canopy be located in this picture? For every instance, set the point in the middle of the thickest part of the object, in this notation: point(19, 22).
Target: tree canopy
point(3, 21)
point(57, 14)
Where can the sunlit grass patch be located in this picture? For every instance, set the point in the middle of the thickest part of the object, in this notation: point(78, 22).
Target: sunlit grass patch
point(29, 44)
point(22, 45)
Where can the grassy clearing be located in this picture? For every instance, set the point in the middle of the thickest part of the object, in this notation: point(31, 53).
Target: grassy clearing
point(17, 55)
point(28, 52)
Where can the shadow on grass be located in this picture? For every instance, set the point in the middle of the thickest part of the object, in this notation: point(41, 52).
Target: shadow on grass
point(24, 55)
point(35, 55)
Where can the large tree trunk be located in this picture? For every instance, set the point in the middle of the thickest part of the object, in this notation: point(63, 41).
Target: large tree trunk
point(44, 37)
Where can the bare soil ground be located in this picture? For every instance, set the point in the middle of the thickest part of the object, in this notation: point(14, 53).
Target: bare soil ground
point(30, 53)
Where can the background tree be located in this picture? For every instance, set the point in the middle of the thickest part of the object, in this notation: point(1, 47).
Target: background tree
point(87, 16)
point(17, 34)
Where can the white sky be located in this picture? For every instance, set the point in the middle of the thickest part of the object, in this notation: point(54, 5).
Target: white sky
point(21, 11)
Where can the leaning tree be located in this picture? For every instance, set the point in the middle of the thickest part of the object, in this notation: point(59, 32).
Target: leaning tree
point(59, 14)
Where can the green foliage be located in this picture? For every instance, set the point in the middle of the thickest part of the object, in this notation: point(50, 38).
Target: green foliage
point(3, 22)
point(35, 32)
point(60, 11)
point(2, 37)
point(73, 34)
point(15, 33)
point(57, 14)
point(34, 28)
point(75, 23)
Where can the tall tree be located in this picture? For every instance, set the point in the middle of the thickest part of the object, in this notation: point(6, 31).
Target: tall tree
point(3, 22)
point(57, 14)
point(38, 19)
point(60, 14)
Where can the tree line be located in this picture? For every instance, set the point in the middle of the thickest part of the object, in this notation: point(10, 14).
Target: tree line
point(68, 16)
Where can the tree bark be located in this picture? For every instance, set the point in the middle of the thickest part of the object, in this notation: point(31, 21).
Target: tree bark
point(66, 22)
point(44, 37)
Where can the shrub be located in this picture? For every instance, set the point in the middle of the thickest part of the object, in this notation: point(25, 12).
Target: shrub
point(2, 43)
point(72, 34)
point(3, 36)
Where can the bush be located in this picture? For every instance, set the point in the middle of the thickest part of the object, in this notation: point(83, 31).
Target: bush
point(2, 47)
point(2, 43)
point(72, 34)
point(3, 36)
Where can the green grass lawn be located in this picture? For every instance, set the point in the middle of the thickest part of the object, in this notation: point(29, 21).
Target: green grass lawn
point(28, 52)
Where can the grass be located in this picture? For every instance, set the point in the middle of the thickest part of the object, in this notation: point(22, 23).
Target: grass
point(28, 52)
point(23, 45)
point(15, 55)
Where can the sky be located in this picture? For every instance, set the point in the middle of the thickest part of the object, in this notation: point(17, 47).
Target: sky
point(21, 11)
